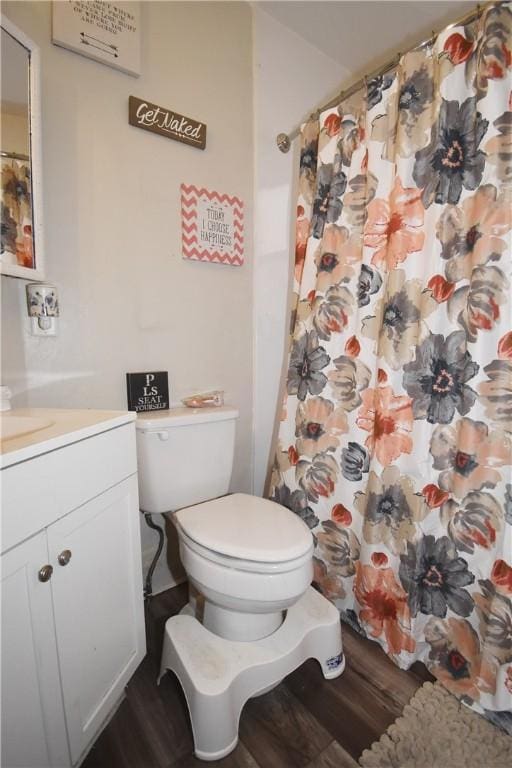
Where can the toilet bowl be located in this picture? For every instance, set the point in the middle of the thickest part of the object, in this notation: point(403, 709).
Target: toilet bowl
point(250, 558)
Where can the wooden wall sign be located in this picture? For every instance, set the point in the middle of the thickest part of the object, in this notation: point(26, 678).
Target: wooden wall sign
point(147, 391)
point(103, 31)
point(212, 226)
point(160, 120)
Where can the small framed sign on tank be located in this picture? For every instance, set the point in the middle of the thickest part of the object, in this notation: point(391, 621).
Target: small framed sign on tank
point(147, 391)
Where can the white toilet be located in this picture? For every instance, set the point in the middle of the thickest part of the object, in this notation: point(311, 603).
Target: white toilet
point(251, 561)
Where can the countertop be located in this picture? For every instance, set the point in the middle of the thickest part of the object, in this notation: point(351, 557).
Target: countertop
point(39, 430)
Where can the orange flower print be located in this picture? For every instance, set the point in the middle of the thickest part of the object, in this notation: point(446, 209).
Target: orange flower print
point(441, 288)
point(474, 522)
point(472, 234)
point(388, 418)
point(352, 347)
point(494, 611)
point(341, 515)
point(384, 609)
point(458, 48)
point(493, 55)
point(301, 241)
point(395, 226)
point(332, 124)
point(434, 496)
point(456, 658)
point(391, 509)
point(335, 256)
point(501, 577)
point(505, 346)
point(329, 581)
point(468, 456)
point(317, 477)
point(398, 323)
point(339, 547)
point(318, 426)
point(379, 559)
point(476, 307)
point(331, 312)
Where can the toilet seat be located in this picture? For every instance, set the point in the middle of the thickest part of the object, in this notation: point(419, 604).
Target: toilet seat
point(246, 533)
point(238, 564)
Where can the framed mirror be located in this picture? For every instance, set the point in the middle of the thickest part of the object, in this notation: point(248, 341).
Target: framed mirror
point(21, 244)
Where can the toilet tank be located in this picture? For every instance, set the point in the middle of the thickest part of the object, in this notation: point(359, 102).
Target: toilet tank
point(184, 456)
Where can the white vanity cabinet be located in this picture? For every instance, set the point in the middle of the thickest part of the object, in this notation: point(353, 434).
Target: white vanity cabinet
point(72, 594)
point(33, 726)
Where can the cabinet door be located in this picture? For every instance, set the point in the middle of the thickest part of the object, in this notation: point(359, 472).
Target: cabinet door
point(98, 606)
point(33, 725)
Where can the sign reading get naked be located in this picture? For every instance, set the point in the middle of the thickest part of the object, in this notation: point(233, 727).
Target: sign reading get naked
point(164, 121)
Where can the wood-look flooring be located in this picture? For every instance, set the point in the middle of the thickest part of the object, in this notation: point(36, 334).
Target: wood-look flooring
point(306, 722)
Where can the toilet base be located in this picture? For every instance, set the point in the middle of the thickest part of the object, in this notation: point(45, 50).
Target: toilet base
point(218, 676)
point(238, 626)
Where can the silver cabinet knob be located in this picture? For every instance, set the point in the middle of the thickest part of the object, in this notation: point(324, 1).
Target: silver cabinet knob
point(64, 557)
point(45, 573)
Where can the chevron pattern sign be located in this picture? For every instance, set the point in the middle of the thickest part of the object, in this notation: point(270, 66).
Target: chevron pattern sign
point(212, 226)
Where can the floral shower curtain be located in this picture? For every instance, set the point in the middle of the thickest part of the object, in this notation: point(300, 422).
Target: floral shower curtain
point(395, 442)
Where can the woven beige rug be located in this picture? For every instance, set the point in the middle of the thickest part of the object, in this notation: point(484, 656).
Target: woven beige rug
point(437, 731)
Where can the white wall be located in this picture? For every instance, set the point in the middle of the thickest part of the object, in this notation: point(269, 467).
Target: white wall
point(291, 77)
point(15, 133)
point(129, 302)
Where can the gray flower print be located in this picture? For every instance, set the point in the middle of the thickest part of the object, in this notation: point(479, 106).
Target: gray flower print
point(355, 460)
point(339, 547)
point(508, 503)
point(437, 379)
point(452, 161)
point(331, 184)
point(349, 378)
point(375, 88)
point(306, 362)
point(494, 610)
point(308, 157)
point(297, 502)
point(433, 576)
point(416, 94)
point(370, 282)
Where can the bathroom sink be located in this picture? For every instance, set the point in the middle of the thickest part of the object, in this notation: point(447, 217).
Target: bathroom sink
point(17, 426)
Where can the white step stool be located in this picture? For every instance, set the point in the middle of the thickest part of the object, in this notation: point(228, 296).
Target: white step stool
point(218, 676)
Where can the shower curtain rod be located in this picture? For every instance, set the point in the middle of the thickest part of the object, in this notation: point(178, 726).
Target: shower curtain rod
point(14, 155)
point(283, 140)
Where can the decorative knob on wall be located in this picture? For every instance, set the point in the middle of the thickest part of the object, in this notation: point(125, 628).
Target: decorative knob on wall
point(43, 308)
point(283, 142)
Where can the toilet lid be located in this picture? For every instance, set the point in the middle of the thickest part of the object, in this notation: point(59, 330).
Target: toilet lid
point(246, 527)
